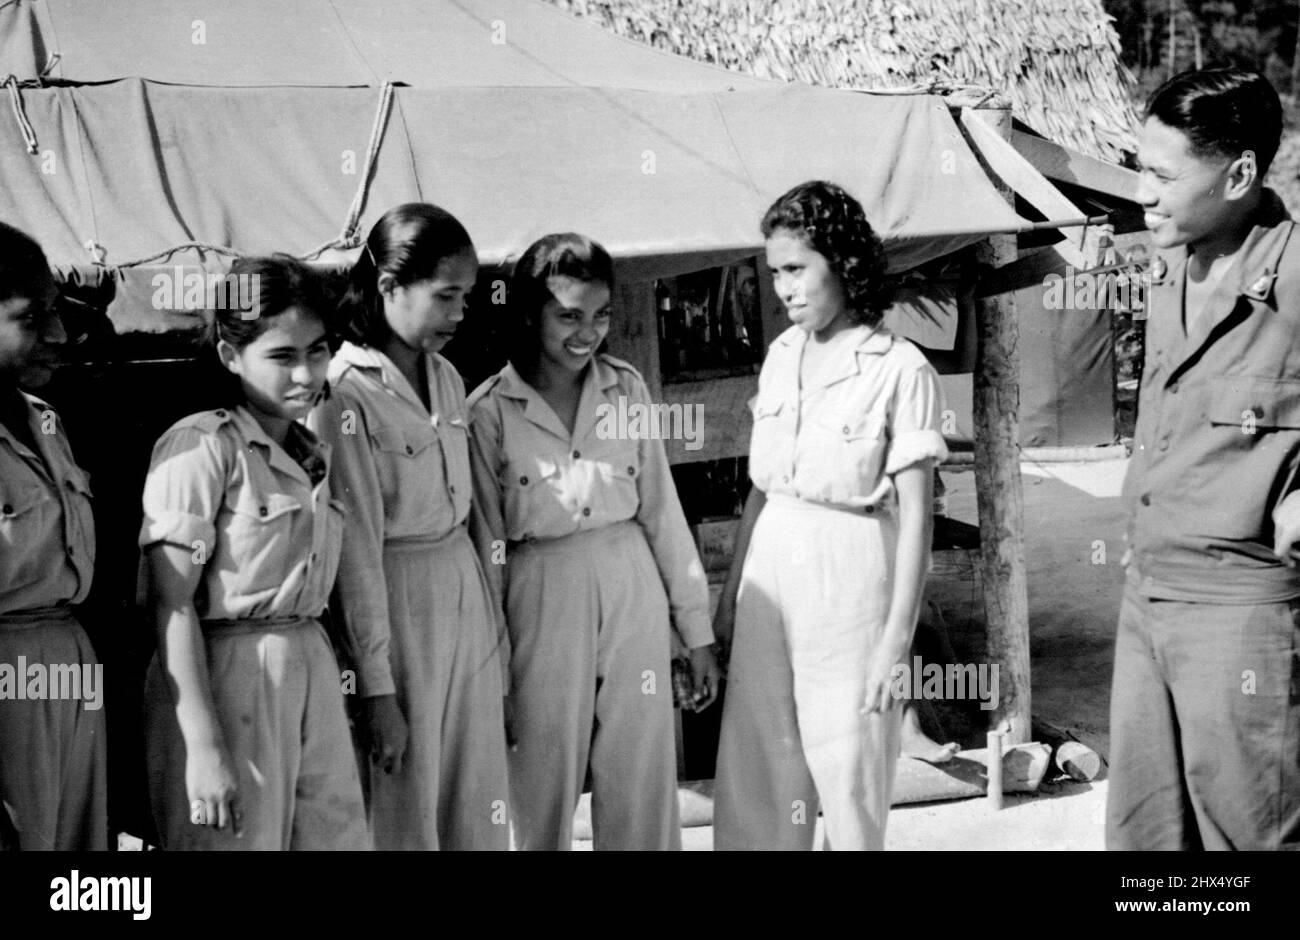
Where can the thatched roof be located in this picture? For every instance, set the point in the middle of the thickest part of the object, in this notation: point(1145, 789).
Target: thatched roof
point(1057, 59)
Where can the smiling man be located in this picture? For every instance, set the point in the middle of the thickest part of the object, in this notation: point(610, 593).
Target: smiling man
point(1205, 706)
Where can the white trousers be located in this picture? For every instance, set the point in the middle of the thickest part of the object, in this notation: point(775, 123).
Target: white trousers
point(814, 596)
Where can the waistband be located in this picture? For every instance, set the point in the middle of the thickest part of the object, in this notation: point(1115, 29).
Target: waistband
point(37, 617)
point(225, 627)
point(1212, 583)
point(583, 539)
point(422, 543)
point(786, 501)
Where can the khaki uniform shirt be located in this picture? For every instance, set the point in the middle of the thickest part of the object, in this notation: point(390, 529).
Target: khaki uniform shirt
point(47, 529)
point(1218, 430)
point(535, 480)
point(875, 409)
point(403, 473)
point(268, 539)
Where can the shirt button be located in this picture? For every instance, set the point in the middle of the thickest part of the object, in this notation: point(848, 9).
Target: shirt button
point(410, 449)
point(221, 414)
point(785, 478)
point(868, 509)
point(7, 509)
point(576, 455)
point(523, 481)
point(586, 510)
point(72, 551)
point(1173, 389)
point(1146, 499)
point(312, 558)
point(261, 511)
point(1164, 444)
point(452, 487)
point(631, 471)
point(846, 430)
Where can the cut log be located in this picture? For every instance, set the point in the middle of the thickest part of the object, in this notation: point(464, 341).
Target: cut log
point(1079, 762)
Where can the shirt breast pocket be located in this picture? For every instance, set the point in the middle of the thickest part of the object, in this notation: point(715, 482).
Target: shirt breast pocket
point(262, 530)
point(771, 440)
point(1253, 431)
point(618, 497)
point(1253, 406)
point(27, 533)
point(81, 512)
point(454, 434)
point(532, 496)
point(853, 445)
point(406, 461)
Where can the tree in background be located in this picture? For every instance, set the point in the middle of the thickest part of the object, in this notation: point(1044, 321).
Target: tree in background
point(1162, 37)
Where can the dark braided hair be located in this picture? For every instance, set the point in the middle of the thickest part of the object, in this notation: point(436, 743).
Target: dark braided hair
point(833, 224)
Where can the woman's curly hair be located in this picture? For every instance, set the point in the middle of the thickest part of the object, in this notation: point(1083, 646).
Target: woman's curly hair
point(833, 225)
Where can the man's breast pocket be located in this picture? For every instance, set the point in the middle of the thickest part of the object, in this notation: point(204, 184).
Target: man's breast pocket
point(1250, 428)
point(28, 515)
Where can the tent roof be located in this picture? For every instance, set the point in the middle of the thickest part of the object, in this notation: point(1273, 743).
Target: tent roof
point(422, 43)
point(670, 163)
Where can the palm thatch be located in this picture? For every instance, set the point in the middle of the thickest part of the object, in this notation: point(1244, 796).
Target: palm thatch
point(1058, 60)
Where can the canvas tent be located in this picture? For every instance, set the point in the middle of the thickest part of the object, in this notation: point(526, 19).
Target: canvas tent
point(139, 127)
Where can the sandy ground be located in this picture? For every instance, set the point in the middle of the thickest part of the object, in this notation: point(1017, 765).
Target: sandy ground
point(1074, 531)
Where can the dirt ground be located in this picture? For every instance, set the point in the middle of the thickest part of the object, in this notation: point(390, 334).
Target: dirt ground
point(1074, 531)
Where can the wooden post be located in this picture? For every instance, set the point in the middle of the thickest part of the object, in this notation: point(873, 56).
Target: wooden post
point(997, 482)
point(993, 761)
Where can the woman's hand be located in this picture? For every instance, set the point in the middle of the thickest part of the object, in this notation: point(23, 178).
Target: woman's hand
point(387, 731)
point(724, 627)
point(880, 676)
point(705, 676)
point(213, 788)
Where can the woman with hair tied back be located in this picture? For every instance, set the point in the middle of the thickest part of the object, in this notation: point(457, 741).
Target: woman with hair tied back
point(413, 600)
point(833, 544)
point(249, 746)
point(52, 757)
point(590, 556)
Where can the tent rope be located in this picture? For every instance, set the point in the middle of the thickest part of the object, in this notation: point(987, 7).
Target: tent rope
point(347, 238)
point(20, 113)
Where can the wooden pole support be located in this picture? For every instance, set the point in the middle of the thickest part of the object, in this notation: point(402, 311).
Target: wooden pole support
point(997, 482)
point(994, 761)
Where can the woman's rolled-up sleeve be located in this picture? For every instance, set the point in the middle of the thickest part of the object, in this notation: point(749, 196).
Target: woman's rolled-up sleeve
point(184, 490)
point(915, 420)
